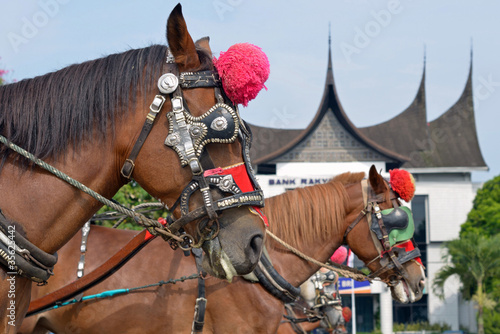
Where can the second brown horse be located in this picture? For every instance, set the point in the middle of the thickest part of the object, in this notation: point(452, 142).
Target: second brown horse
point(312, 219)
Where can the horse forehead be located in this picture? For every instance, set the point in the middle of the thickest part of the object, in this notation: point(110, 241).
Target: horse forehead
point(199, 100)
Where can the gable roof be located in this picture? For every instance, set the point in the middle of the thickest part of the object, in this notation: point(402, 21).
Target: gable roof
point(407, 132)
point(408, 139)
point(448, 141)
point(293, 138)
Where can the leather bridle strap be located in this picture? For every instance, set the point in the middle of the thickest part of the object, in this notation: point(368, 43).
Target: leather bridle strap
point(201, 301)
point(93, 278)
point(361, 215)
point(154, 109)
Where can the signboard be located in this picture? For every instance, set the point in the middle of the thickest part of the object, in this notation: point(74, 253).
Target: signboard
point(345, 286)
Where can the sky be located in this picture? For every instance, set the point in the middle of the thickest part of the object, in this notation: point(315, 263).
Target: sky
point(378, 50)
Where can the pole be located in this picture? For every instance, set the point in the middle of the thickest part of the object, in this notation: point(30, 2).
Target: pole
point(353, 308)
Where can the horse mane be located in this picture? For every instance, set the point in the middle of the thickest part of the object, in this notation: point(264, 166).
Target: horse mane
point(311, 214)
point(46, 114)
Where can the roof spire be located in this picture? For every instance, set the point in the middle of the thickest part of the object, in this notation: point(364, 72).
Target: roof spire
point(329, 35)
point(329, 71)
point(425, 54)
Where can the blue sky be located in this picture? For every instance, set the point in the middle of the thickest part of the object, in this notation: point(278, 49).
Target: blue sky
point(378, 51)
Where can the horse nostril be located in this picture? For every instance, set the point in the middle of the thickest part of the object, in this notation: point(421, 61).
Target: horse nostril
point(255, 247)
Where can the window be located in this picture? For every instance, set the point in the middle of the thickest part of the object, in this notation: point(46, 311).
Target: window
point(418, 311)
point(266, 169)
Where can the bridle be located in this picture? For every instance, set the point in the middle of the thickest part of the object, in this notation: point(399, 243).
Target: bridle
point(188, 136)
point(392, 255)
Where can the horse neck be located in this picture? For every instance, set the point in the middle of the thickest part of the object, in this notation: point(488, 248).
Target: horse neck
point(49, 210)
point(318, 232)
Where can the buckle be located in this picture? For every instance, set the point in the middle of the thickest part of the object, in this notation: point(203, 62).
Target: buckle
point(157, 103)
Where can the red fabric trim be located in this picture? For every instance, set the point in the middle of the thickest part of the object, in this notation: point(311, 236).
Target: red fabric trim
point(242, 179)
point(240, 176)
point(162, 221)
point(408, 246)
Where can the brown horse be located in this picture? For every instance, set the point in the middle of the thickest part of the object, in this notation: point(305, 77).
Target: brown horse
point(313, 219)
point(86, 121)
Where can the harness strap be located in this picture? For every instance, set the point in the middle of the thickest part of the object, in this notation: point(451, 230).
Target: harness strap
point(201, 301)
point(18, 255)
point(154, 109)
point(274, 282)
point(83, 249)
point(199, 79)
point(93, 278)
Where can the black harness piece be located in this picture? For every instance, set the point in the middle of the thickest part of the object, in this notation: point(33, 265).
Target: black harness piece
point(188, 136)
point(21, 257)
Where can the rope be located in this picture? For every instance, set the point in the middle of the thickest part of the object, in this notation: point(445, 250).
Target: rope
point(117, 292)
point(339, 268)
point(152, 225)
point(115, 215)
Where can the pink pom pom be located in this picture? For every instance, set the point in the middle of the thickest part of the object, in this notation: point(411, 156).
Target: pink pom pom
point(340, 255)
point(243, 69)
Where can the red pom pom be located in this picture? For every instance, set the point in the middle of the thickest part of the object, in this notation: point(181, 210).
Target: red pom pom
point(346, 313)
point(243, 69)
point(403, 183)
point(340, 255)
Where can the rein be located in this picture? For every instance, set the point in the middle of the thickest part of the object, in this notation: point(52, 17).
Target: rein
point(281, 291)
point(93, 278)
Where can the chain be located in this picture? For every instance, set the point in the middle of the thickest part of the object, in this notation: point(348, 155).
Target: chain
point(339, 268)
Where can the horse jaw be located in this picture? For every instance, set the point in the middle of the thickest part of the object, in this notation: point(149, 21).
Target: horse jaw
point(404, 293)
point(401, 293)
point(216, 262)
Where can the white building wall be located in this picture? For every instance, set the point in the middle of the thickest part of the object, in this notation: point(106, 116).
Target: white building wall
point(449, 204)
point(468, 315)
point(442, 310)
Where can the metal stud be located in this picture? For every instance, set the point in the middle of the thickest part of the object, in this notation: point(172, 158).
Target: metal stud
point(172, 139)
point(195, 131)
point(219, 124)
point(168, 83)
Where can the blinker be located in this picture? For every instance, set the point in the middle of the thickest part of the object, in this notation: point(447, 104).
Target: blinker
point(398, 222)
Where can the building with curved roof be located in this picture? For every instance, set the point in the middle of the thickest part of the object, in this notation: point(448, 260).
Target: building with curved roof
point(441, 154)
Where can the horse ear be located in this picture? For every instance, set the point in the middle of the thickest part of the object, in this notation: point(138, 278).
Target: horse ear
point(376, 181)
point(204, 43)
point(180, 42)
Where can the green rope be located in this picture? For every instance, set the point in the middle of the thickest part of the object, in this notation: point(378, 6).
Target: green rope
point(142, 220)
point(117, 292)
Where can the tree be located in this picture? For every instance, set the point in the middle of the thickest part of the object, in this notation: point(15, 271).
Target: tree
point(130, 195)
point(484, 217)
point(475, 259)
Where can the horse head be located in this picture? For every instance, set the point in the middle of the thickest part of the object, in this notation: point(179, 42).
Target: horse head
point(200, 138)
point(392, 257)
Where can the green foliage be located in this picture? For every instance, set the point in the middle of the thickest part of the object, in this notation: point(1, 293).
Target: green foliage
point(420, 326)
point(130, 195)
point(492, 317)
point(484, 218)
point(474, 258)
point(492, 321)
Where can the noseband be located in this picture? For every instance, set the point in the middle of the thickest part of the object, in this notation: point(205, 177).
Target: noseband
point(188, 136)
point(393, 254)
